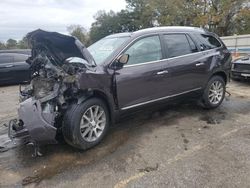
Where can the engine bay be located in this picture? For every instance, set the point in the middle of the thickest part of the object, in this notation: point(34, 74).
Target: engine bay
point(57, 65)
point(54, 86)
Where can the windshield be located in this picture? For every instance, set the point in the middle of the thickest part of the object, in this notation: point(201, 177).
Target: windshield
point(105, 47)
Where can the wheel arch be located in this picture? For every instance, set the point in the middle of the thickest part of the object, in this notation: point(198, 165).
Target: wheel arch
point(83, 96)
point(205, 102)
point(221, 74)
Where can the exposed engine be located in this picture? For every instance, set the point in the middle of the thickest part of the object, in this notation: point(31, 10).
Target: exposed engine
point(42, 86)
point(56, 63)
point(54, 86)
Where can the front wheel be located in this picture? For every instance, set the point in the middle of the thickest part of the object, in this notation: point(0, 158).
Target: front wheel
point(86, 124)
point(214, 93)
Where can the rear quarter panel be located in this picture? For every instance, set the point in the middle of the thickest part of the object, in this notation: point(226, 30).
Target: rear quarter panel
point(217, 60)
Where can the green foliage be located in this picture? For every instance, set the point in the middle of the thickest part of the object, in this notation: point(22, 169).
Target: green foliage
point(2, 46)
point(222, 16)
point(110, 22)
point(11, 44)
point(225, 17)
point(79, 32)
point(23, 44)
point(243, 22)
point(143, 12)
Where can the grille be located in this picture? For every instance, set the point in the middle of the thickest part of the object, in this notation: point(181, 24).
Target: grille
point(242, 66)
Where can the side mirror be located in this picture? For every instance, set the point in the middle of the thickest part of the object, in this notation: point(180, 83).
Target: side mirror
point(120, 61)
point(123, 59)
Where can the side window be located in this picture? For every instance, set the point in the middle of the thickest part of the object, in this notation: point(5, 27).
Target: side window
point(208, 41)
point(6, 58)
point(177, 45)
point(145, 50)
point(192, 44)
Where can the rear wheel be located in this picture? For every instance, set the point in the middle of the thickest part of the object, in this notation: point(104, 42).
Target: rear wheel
point(86, 124)
point(214, 93)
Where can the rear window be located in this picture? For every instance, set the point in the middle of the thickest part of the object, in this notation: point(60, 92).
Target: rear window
point(178, 45)
point(208, 41)
point(6, 58)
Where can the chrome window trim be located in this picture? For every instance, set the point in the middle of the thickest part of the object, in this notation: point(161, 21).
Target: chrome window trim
point(218, 39)
point(137, 39)
point(159, 61)
point(130, 43)
point(159, 99)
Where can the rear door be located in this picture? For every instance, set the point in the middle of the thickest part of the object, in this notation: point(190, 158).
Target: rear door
point(215, 54)
point(185, 62)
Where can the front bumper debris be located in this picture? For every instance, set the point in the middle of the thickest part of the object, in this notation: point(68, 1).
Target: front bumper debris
point(34, 125)
point(16, 130)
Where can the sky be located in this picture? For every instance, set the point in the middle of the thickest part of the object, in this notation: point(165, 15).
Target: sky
point(19, 17)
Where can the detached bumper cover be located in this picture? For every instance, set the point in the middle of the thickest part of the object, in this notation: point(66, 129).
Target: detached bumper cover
point(33, 123)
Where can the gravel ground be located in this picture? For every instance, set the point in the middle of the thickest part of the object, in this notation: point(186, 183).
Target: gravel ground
point(176, 146)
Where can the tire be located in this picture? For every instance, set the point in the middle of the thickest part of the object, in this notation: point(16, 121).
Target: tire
point(75, 117)
point(209, 99)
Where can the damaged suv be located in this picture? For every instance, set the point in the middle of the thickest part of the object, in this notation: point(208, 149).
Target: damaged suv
point(80, 92)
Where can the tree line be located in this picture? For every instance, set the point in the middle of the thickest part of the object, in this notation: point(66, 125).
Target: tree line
point(14, 44)
point(224, 17)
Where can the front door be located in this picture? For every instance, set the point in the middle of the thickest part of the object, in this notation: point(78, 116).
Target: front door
point(140, 80)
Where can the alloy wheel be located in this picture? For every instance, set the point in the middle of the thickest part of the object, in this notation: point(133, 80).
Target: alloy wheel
point(216, 91)
point(93, 123)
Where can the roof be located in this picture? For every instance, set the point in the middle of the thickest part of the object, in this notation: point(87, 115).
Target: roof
point(159, 29)
point(126, 34)
point(171, 29)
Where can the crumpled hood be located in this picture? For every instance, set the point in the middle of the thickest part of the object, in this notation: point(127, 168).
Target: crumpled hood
point(59, 46)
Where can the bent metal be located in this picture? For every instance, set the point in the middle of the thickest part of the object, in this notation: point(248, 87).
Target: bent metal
point(77, 92)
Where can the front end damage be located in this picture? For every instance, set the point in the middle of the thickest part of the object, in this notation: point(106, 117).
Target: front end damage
point(35, 123)
point(57, 63)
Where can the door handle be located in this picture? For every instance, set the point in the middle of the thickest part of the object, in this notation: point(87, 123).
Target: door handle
point(162, 72)
point(199, 64)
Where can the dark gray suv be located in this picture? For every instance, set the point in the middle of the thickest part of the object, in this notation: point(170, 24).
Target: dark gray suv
point(79, 92)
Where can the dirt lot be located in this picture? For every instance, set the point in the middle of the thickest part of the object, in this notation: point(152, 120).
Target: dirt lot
point(178, 146)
